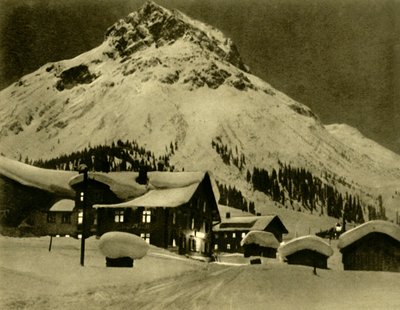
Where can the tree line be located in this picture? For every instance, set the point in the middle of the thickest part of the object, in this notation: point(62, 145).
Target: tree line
point(119, 156)
point(232, 197)
point(292, 186)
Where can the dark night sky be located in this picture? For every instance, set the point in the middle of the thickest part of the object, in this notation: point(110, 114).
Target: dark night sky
point(339, 57)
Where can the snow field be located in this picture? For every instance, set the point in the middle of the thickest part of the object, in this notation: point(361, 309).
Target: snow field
point(34, 278)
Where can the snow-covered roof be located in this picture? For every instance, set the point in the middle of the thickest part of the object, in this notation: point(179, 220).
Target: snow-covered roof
point(53, 181)
point(262, 238)
point(310, 242)
point(63, 205)
point(123, 184)
point(223, 210)
point(171, 197)
point(250, 223)
point(361, 231)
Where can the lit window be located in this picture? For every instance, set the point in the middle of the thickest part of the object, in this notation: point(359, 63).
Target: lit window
point(79, 236)
point(146, 237)
point(215, 246)
point(80, 217)
point(243, 234)
point(228, 246)
point(174, 218)
point(216, 236)
point(66, 218)
point(146, 216)
point(233, 235)
point(51, 218)
point(192, 226)
point(119, 216)
point(225, 235)
point(173, 242)
point(82, 196)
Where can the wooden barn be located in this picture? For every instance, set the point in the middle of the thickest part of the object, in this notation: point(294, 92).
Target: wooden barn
point(259, 243)
point(62, 219)
point(176, 213)
point(374, 246)
point(307, 250)
point(232, 229)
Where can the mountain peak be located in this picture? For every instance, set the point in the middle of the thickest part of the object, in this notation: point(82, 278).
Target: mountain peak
point(155, 25)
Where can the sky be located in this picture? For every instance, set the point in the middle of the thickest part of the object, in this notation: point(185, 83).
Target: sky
point(339, 57)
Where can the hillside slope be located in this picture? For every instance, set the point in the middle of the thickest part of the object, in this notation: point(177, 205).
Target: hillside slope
point(161, 77)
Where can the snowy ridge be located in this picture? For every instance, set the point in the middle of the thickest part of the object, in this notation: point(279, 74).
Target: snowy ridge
point(262, 238)
point(309, 242)
point(359, 232)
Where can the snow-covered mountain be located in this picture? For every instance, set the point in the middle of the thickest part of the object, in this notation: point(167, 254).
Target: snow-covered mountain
point(162, 77)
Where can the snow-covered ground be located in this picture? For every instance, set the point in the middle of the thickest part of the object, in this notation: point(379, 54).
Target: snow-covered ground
point(31, 277)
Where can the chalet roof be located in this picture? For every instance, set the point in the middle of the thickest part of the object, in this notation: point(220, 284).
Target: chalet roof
point(361, 231)
point(63, 205)
point(53, 181)
point(167, 197)
point(262, 238)
point(310, 242)
point(123, 184)
point(249, 223)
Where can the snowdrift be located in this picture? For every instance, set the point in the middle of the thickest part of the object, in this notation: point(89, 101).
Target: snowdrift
point(117, 244)
point(309, 242)
point(262, 238)
point(359, 232)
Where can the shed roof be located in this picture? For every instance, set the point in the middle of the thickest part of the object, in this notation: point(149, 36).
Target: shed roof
point(361, 231)
point(262, 238)
point(310, 242)
point(63, 205)
point(170, 197)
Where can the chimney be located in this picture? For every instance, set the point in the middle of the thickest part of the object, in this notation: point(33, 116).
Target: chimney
point(142, 178)
point(228, 215)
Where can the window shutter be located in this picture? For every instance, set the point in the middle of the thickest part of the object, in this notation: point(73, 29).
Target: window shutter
point(128, 215)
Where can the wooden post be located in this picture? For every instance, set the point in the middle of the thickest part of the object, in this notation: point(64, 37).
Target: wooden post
point(83, 169)
point(51, 241)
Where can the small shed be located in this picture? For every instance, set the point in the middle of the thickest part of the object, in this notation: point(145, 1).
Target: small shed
point(374, 246)
point(307, 250)
point(259, 243)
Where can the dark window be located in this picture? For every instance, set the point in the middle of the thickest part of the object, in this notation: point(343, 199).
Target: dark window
point(66, 218)
point(51, 217)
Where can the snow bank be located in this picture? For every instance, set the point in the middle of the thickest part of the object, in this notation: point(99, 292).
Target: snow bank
point(309, 242)
point(359, 232)
point(262, 238)
point(117, 244)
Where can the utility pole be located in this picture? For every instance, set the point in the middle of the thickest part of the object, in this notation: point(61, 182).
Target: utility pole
point(83, 169)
